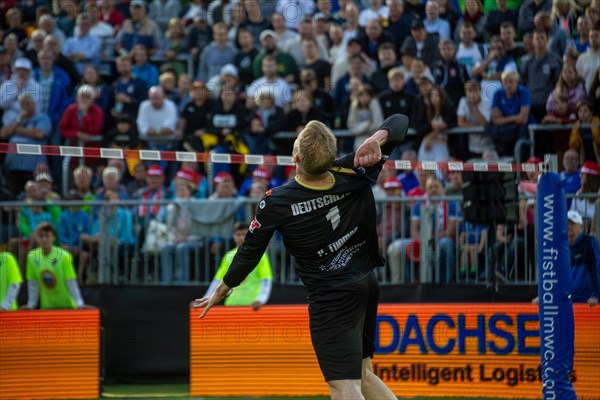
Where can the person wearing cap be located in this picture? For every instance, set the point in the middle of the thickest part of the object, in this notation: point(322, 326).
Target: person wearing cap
point(590, 184)
point(30, 127)
point(421, 44)
point(139, 29)
point(20, 82)
point(214, 56)
point(260, 174)
point(154, 190)
point(286, 64)
point(281, 89)
point(585, 134)
point(393, 217)
point(585, 262)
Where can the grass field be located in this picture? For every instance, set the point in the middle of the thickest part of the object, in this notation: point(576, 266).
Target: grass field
point(180, 391)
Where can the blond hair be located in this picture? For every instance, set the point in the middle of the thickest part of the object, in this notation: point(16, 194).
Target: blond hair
point(510, 74)
point(316, 149)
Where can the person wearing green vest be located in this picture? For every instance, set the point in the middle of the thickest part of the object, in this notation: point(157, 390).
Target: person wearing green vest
point(10, 282)
point(256, 289)
point(50, 274)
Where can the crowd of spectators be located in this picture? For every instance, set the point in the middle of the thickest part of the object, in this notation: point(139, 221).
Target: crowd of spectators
point(229, 75)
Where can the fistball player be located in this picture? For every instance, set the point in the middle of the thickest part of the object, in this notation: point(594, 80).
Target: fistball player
point(327, 219)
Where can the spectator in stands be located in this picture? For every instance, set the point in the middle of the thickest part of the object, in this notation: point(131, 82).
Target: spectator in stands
point(294, 12)
point(589, 62)
point(45, 183)
point(30, 127)
point(174, 44)
point(11, 44)
point(128, 92)
point(194, 118)
point(472, 12)
point(294, 46)
point(168, 83)
point(399, 21)
point(473, 112)
point(302, 113)
point(510, 114)
point(568, 84)
point(162, 11)
point(244, 59)
point(83, 120)
point(62, 61)
point(508, 35)
point(376, 11)
point(388, 59)
point(219, 11)
point(154, 190)
point(111, 181)
point(50, 274)
point(74, 222)
point(256, 289)
point(199, 34)
point(540, 73)
point(32, 216)
point(496, 63)
point(581, 43)
point(14, 21)
point(10, 278)
point(421, 44)
point(441, 116)
point(35, 44)
point(20, 82)
point(67, 15)
point(365, 115)
point(495, 18)
point(260, 176)
point(564, 14)
point(84, 48)
point(157, 118)
point(472, 239)
point(434, 25)
point(224, 186)
point(560, 115)
point(110, 15)
point(257, 21)
point(350, 23)
point(282, 35)
point(56, 87)
point(448, 12)
point(528, 11)
point(395, 100)
point(139, 29)
point(590, 183)
point(322, 100)
point(570, 176)
point(419, 72)
point(143, 68)
point(585, 135)
point(218, 53)
point(124, 135)
point(265, 123)
point(100, 29)
point(279, 87)
point(321, 67)
point(47, 23)
point(5, 65)
point(393, 219)
point(82, 180)
point(175, 257)
point(449, 74)
point(469, 53)
point(341, 66)
point(373, 37)
point(558, 38)
point(138, 182)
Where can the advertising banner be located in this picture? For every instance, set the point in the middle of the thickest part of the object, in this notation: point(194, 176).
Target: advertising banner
point(50, 354)
point(458, 350)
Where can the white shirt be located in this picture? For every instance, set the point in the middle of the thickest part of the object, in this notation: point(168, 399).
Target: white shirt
point(281, 90)
point(9, 97)
point(477, 142)
point(584, 207)
point(587, 65)
point(469, 56)
point(150, 117)
point(101, 30)
point(294, 11)
point(368, 14)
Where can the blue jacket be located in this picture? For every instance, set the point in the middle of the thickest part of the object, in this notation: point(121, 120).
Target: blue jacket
point(72, 225)
point(585, 268)
point(59, 95)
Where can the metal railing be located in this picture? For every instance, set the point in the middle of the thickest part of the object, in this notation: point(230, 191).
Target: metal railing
point(435, 255)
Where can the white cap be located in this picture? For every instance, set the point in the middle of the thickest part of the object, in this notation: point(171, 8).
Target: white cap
point(24, 63)
point(229, 69)
point(575, 217)
point(267, 32)
point(138, 3)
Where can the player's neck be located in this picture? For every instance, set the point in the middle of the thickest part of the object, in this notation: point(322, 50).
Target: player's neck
point(46, 250)
point(323, 180)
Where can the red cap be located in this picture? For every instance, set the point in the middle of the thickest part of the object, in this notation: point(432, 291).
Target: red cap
point(155, 170)
point(534, 160)
point(590, 168)
point(392, 183)
point(222, 177)
point(261, 172)
point(189, 175)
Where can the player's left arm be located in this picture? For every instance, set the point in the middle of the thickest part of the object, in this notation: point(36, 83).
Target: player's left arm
point(266, 282)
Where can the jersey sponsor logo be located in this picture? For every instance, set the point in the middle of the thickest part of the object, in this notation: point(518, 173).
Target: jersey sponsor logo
point(48, 279)
point(335, 246)
point(262, 204)
point(305, 207)
point(254, 225)
point(343, 257)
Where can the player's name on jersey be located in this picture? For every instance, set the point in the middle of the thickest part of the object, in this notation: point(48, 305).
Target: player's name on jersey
point(314, 204)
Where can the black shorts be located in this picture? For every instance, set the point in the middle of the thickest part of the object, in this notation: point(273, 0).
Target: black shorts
point(342, 327)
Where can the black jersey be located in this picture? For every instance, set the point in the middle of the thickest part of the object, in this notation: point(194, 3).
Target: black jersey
point(331, 230)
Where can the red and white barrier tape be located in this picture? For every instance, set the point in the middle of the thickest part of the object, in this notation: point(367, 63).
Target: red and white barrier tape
point(161, 155)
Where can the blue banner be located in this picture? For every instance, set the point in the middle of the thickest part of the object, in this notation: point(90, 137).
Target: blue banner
point(554, 290)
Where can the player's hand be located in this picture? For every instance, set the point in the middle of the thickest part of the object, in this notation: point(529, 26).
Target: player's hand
point(592, 301)
point(2, 309)
point(535, 300)
point(222, 291)
point(368, 154)
point(256, 305)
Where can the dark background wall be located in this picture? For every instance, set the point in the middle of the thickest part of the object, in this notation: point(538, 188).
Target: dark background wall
point(146, 328)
